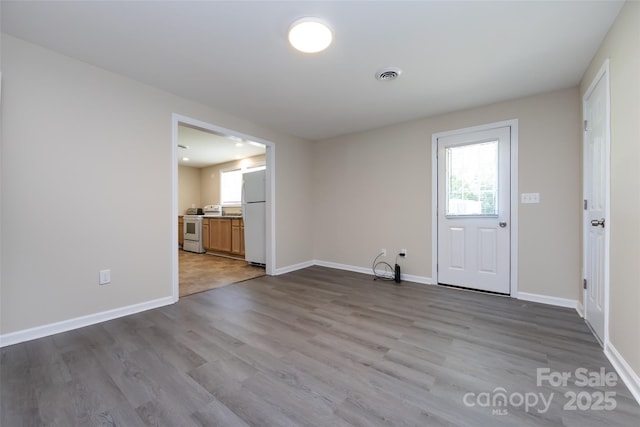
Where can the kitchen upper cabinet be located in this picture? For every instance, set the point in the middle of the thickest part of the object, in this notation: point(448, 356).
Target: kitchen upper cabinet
point(237, 236)
point(220, 234)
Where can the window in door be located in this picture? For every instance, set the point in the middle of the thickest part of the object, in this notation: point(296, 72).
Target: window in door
point(472, 179)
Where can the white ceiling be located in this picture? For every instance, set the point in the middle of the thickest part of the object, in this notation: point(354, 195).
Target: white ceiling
point(234, 55)
point(206, 148)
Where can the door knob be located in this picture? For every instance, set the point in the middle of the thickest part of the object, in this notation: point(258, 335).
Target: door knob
point(502, 224)
point(596, 222)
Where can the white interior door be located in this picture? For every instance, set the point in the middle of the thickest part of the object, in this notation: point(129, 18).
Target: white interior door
point(595, 196)
point(474, 210)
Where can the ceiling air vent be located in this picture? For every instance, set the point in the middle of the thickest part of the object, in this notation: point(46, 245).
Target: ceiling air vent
point(389, 73)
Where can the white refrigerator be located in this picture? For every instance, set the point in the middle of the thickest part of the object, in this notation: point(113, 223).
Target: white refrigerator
point(254, 215)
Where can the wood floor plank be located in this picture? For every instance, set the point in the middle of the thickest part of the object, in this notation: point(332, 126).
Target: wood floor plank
point(171, 350)
point(18, 388)
point(315, 347)
point(227, 387)
point(302, 404)
point(91, 390)
point(216, 414)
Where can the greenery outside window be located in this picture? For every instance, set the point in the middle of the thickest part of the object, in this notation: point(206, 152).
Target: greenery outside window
point(472, 179)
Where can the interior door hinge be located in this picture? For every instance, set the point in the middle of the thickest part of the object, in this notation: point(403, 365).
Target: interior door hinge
point(584, 283)
point(584, 204)
point(585, 126)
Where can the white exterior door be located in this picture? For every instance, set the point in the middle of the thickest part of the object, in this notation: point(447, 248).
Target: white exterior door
point(474, 210)
point(595, 200)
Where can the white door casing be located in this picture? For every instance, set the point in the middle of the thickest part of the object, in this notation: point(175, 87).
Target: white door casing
point(474, 209)
point(270, 250)
point(596, 203)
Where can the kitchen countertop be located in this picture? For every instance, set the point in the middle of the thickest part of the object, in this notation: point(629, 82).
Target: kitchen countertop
point(222, 217)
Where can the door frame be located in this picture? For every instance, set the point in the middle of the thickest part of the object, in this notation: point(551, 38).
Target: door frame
point(513, 197)
point(603, 73)
point(177, 119)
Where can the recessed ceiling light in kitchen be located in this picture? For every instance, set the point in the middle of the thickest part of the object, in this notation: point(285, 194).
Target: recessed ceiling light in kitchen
point(310, 35)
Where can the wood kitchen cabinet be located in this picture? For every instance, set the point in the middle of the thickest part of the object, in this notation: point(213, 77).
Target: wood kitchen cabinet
point(220, 234)
point(206, 239)
point(180, 231)
point(237, 237)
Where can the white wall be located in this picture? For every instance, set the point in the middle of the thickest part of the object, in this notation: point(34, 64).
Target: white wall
point(86, 185)
point(373, 190)
point(622, 47)
point(188, 188)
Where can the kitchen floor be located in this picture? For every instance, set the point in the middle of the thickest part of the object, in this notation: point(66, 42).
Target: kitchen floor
point(202, 272)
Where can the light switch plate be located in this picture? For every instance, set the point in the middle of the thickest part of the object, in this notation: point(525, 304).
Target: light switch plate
point(530, 198)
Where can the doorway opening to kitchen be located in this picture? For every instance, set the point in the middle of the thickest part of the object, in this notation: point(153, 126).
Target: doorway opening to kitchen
point(215, 241)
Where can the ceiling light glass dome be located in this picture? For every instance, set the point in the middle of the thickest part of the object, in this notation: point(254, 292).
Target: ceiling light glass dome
point(310, 35)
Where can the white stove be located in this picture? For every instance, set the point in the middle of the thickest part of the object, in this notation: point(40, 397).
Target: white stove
point(193, 234)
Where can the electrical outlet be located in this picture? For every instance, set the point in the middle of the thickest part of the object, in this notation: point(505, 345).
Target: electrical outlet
point(403, 252)
point(383, 251)
point(105, 277)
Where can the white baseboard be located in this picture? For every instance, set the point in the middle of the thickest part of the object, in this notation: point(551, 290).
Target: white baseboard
point(418, 279)
point(80, 322)
point(580, 309)
point(345, 267)
point(368, 270)
point(544, 299)
point(629, 377)
point(290, 268)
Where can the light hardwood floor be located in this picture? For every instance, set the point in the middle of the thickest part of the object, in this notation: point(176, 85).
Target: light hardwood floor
point(202, 272)
point(316, 347)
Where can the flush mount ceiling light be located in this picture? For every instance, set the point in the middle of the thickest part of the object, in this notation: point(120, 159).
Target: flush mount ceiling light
point(310, 35)
point(388, 73)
